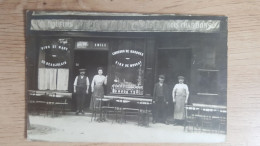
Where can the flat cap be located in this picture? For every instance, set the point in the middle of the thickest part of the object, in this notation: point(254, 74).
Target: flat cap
point(180, 77)
point(162, 76)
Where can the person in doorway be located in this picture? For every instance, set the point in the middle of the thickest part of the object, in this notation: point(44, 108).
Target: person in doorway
point(160, 101)
point(180, 95)
point(97, 88)
point(81, 88)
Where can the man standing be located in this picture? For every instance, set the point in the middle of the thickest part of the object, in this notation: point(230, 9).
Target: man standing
point(180, 95)
point(160, 100)
point(81, 86)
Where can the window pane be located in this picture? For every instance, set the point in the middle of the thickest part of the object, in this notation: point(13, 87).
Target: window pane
point(53, 72)
point(128, 68)
point(208, 82)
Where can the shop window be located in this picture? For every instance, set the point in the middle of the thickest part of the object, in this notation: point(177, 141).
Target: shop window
point(127, 72)
point(53, 66)
point(207, 81)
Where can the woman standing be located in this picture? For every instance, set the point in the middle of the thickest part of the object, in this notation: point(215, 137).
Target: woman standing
point(180, 94)
point(97, 88)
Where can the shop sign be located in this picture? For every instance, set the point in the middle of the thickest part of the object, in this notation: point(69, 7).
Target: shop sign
point(203, 26)
point(129, 55)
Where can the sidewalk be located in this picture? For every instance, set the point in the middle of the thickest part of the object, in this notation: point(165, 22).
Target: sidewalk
point(72, 128)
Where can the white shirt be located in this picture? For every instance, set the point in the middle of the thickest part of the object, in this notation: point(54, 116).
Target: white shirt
point(180, 90)
point(98, 80)
point(76, 80)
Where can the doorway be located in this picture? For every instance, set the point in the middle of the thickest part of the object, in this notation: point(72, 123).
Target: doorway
point(173, 63)
point(89, 60)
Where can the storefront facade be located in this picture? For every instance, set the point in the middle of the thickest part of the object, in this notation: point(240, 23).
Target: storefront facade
point(133, 49)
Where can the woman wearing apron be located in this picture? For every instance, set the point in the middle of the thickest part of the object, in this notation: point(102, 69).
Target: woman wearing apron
point(180, 94)
point(97, 88)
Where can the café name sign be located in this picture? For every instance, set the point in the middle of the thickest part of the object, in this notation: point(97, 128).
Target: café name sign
point(203, 26)
point(128, 52)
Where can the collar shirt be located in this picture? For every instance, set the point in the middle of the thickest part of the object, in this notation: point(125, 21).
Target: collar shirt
point(180, 90)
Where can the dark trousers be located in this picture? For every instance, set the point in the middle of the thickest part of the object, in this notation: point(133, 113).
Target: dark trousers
point(159, 111)
point(80, 98)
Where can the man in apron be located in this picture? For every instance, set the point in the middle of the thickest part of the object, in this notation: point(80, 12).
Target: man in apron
point(160, 101)
point(180, 94)
point(81, 86)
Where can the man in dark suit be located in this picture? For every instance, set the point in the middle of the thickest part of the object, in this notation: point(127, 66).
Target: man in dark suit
point(160, 101)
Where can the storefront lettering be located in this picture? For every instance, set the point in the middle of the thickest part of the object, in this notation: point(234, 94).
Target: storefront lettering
point(128, 51)
point(204, 26)
point(54, 47)
point(53, 64)
point(50, 62)
point(117, 62)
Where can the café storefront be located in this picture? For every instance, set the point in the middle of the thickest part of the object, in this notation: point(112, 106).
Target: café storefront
point(133, 49)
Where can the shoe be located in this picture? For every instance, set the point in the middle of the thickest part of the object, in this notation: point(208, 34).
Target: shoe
point(82, 112)
point(77, 112)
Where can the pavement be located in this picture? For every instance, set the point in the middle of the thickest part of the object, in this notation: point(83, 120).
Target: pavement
point(80, 128)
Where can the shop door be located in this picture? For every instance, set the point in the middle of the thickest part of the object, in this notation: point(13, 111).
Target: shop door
point(173, 63)
point(90, 60)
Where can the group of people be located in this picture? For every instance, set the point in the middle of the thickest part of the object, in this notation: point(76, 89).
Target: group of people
point(161, 99)
point(81, 88)
point(161, 95)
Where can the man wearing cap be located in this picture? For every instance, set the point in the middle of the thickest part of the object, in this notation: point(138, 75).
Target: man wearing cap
point(81, 86)
point(180, 94)
point(160, 100)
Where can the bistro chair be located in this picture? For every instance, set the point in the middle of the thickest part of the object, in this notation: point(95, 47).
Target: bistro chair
point(37, 102)
point(118, 113)
point(223, 121)
point(206, 121)
point(57, 104)
point(190, 117)
point(96, 110)
point(144, 112)
point(128, 111)
point(106, 108)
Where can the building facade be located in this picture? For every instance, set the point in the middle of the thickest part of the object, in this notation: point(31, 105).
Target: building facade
point(133, 49)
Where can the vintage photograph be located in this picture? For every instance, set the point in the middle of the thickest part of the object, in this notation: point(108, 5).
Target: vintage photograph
point(126, 77)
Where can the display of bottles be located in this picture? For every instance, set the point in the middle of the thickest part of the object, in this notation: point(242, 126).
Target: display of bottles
point(126, 89)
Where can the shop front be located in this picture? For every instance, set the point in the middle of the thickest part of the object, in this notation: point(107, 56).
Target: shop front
point(132, 49)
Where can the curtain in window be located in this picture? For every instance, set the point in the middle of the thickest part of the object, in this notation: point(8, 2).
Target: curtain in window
point(47, 78)
point(62, 79)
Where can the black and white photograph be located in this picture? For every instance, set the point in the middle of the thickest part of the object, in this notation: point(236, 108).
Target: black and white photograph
point(126, 77)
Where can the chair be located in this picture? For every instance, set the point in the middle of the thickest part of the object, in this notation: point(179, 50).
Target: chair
point(106, 108)
point(57, 104)
point(96, 110)
point(144, 112)
point(206, 121)
point(191, 114)
point(37, 103)
point(128, 111)
point(223, 121)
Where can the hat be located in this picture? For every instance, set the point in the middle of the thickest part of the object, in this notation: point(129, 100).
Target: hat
point(180, 77)
point(82, 69)
point(161, 76)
